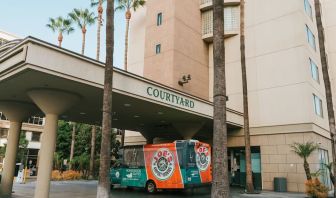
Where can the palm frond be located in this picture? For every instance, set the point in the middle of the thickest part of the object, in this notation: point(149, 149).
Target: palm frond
point(129, 4)
point(60, 25)
point(95, 3)
point(137, 3)
point(82, 17)
point(304, 150)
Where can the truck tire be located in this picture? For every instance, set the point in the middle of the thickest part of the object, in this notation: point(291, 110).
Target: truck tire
point(150, 187)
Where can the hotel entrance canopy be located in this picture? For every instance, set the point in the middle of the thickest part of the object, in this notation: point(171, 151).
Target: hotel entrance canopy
point(139, 104)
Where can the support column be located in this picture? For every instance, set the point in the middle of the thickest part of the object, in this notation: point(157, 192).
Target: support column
point(16, 112)
point(46, 156)
point(10, 158)
point(52, 103)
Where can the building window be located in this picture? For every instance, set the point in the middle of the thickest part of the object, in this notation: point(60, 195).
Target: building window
point(324, 172)
point(2, 116)
point(318, 105)
point(231, 20)
point(36, 136)
point(36, 120)
point(314, 71)
point(3, 133)
point(158, 49)
point(308, 8)
point(311, 38)
point(159, 19)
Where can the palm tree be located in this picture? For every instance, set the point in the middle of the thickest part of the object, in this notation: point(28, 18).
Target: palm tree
point(249, 181)
point(329, 166)
point(128, 5)
point(100, 11)
point(326, 79)
point(92, 154)
point(304, 150)
point(72, 148)
point(220, 183)
point(60, 25)
point(103, 190)
point(83, 18)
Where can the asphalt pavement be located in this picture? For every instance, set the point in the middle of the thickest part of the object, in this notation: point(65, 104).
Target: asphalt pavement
point(88, 189)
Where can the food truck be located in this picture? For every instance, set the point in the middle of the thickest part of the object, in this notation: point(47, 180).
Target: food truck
point(178, 165)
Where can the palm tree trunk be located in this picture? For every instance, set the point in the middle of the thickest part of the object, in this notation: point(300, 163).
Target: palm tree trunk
point(72, 144)
point(122, 143)
point(307, 169)
point(128, 18)
point(103, 190)
point(83, 40)
point(220, 183)
point(60, 39)
point(92, 154)
point(93, 133)
point(332, 177)
point(100, 12)
point(249, 181)
point(327, 85)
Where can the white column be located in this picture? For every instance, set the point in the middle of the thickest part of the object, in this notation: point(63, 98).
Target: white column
point(16, 112)
point(46, 156)
point(10, 158)
point(52, 103)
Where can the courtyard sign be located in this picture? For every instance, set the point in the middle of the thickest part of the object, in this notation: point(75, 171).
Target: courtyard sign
point(170, 97)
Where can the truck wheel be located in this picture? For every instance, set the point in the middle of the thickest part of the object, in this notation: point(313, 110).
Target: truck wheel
point(150, 187)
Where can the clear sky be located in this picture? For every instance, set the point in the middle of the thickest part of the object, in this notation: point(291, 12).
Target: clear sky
point(29, 18)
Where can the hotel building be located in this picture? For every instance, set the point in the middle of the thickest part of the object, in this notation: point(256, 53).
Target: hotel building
point(172, 40)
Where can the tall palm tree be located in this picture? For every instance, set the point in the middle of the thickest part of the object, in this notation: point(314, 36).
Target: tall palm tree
point(61, 26)
point(92, 154)
point(249, 181)
point(304, 150)
point(72, 147)
point(326, 79)
point(83, 18)
point(100, 10)
point(220, 183)
point(128, 5)
point(103, 190)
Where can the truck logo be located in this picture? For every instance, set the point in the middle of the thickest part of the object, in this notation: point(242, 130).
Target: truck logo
point(129, 175)
point(163, 164)
point(203, 158)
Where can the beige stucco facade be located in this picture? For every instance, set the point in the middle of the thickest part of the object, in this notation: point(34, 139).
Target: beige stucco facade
point(280, 83)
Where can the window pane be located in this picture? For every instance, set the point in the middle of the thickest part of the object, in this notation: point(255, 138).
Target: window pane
point(311, 38)
point(158, 49)
point(314, 71)
point(36, 136)
point(159, 19)
point(308, 8)
point(318, 105)
point(231, 18)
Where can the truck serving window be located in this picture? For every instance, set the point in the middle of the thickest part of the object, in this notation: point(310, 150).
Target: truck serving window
point(133, 157)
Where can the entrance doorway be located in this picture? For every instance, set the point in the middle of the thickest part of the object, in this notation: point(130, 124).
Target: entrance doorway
point(237, 164)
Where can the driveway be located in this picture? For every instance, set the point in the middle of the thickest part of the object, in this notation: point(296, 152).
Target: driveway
point(80, 189)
